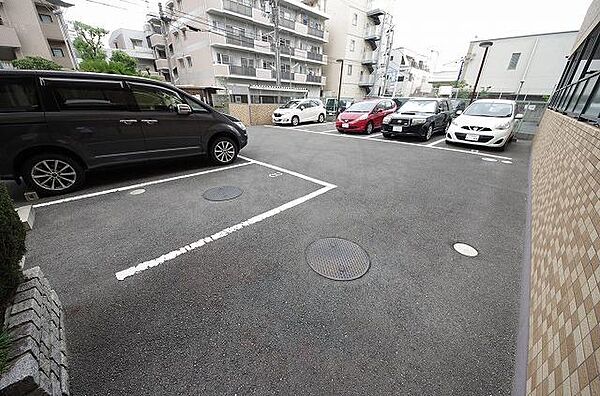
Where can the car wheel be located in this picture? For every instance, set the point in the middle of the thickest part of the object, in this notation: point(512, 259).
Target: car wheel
point(295, 121)
point(387, 135)
point(223, 150)
point(53, 174)
point(369, 128)
point(321, 118)
point(429, 133)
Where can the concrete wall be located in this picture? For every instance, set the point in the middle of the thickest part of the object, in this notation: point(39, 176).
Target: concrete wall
point(589, 23)
point(564, 334)
point(545, 67)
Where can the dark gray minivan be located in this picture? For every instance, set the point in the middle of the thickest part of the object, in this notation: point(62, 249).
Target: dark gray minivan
point(56, 125)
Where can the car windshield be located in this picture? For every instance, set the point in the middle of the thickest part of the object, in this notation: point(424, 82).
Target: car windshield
point(419, 106)
point(291, 104)
point(361, 107)
point(489, 109)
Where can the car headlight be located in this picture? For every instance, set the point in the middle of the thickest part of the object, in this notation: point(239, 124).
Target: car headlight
point(240, 125)
point(455, 123)
point(417, 121)
point(339, 118)
point(362, 117)
point(504, 125)
point(387, 119)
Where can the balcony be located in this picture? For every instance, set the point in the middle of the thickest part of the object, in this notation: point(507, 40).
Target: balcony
point(315, 32)
point(221, 69)
point(372, 33)
point(161, 64)
point(370, 60)
point(287, 23)
point(374, 14)
point(156, 40)
point(241, 41)
point(242, 70)
point(284, 50)
point(366, 81)
point(238, 8)
point(313, 78)
point(8, 37)
point(314, 56)
point(52, 31)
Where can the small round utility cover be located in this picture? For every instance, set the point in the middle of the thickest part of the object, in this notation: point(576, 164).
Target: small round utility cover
point(489, 159)
point(223, 193)
point(137, 191)
point(337, 259)
point(465, 250)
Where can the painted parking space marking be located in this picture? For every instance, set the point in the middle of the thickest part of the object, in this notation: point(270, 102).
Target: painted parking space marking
point(376, 135)
point(138, 191)
point(137, 186)
point(345, 136)
point(325, 187)
point(436, 142)
point(489, 159)
point(465, 250)
point(506, 162)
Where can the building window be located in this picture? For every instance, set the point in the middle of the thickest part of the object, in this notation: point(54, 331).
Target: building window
point(136, 43)
point(58, 52)
point(179, 5)
point(352, 45)
point(189, 61)
point(171, 49)
point(354, 19)
point(349, 70)
point(46, 18)
point(184, 33)
point(223, 59)
point(514, 60)
point(175, 73)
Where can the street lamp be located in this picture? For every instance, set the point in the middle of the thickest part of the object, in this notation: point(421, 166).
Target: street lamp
point(337, 106)
point(486, 45)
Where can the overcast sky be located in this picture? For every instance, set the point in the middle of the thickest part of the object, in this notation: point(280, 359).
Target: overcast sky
point(443, 25)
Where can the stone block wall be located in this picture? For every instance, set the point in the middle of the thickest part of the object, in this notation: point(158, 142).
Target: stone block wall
point(38, 354)
point(254, 114)
point(564, 330)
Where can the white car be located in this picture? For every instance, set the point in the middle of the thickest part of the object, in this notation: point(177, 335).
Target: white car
point(486, 122)
point(301, 110)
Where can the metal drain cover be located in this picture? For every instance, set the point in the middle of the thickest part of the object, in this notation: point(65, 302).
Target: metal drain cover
point(337, 259)
point(223, 193)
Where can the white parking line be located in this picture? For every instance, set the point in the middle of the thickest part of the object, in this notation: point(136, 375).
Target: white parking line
point(122, 275)
point(137, 186)
point(436, 142)
point(393, 142)
point(376, 135)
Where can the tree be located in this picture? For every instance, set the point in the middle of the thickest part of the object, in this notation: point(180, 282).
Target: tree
point(35, 63)
point(89, 41)
point(119, 63)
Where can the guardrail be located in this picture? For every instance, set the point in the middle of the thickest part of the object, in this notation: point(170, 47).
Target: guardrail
point(242, 70)
point(579, 99)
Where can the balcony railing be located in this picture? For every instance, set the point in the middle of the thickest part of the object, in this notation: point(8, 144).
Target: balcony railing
point(236, 7)
point(242, 41)
point(316, 32)
point(287, 23)
point(242, 70)
point(314, 56)
point(286, 50)
point(313, 78)
point(286, 75)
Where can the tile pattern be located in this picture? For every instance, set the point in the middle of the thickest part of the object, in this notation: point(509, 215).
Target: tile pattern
point(564, 330)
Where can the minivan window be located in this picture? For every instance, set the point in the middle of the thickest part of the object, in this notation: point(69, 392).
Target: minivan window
point(89, 95)
point(17, 95)
point(155, 99)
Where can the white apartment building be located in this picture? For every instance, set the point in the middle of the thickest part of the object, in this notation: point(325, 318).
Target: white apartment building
point(229, 44)
point(359, 34)
point(529, 65)
point(408, 73)
point(135, 44)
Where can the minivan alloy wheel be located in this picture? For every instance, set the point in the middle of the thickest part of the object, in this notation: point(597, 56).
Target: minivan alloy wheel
point(224, 151)
point(53, 175)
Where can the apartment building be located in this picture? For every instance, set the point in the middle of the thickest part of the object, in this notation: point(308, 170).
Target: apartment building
point(33, 28)
point(408, 73)
point(360, 34)
point(526, 65)
point(135, 44)
point(229, 44)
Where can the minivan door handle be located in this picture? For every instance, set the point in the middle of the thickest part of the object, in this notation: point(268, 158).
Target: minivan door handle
point(150, 122)
point(128, 122)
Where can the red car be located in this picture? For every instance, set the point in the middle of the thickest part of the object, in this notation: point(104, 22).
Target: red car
point(364, 116)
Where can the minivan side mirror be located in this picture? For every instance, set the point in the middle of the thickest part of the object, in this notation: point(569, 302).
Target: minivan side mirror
point(519, 116)
point(458, 112)
point(184, 109)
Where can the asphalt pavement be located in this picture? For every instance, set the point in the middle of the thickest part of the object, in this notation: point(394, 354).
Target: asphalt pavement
point(242, 312)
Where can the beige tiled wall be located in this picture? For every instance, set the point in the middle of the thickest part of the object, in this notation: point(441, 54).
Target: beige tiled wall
point(564, 334)
point(256, 114)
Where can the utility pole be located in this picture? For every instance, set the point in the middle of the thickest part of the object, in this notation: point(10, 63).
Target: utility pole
point(486, 45)
point(274, 4)
point(164, 28)
point(337, 106)
point(388, 51)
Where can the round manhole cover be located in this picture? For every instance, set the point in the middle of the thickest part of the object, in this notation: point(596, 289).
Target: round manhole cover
point(223, 193)
point(337, 259)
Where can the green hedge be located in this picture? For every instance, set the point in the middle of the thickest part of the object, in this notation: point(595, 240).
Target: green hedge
point(12, 247)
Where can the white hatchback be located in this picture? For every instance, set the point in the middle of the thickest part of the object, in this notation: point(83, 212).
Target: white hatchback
point(301, 110)
point(486, 122)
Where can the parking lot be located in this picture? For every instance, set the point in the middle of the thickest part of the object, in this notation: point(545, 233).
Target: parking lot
point(167, 292)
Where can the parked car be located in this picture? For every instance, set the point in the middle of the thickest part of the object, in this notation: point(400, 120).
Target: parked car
point(486, 122)
point(300, 110)
point(421, 117)
point(54, 126)
point(400, 101)
point(331, 105)
point(458, 104)
point(365, 116)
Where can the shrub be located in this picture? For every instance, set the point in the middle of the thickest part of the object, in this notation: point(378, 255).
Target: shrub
point(12, 247)
point(35, 63)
